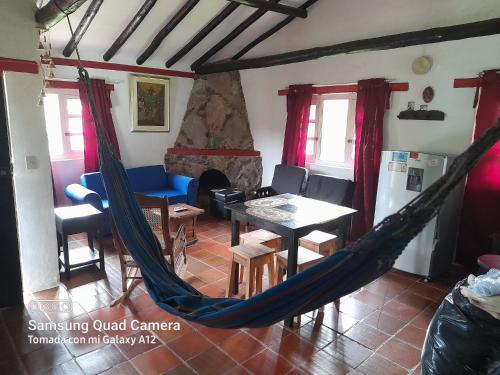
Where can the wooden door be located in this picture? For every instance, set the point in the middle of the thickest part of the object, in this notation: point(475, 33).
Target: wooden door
point(10, 268)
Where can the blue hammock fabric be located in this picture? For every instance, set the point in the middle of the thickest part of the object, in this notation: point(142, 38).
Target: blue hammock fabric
point(338, 275)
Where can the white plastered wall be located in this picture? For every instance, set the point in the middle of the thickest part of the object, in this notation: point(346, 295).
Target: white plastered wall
point(33, 189)
point(458, 59)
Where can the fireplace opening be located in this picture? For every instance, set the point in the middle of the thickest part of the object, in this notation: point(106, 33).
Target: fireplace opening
point(210, 179)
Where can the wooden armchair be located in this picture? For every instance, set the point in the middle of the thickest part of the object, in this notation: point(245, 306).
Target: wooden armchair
point(155, 211)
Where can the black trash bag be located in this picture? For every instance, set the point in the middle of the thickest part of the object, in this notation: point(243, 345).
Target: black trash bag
point(461, 339)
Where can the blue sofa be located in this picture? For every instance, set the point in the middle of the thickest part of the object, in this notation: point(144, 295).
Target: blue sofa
point(150, 180)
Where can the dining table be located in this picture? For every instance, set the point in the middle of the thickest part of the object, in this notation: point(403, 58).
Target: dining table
point(292, 217)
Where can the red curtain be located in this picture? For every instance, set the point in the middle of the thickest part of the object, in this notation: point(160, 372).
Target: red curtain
point(372, 101)
point(103, 107)
point(481, 205)
point(298, 103)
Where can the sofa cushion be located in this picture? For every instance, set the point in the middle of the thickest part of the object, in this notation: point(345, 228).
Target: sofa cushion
point(288, 179)
point(150, 178)
point(93, 181)
point(174, 196)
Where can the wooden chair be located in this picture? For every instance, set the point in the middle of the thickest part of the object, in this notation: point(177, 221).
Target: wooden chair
point(319, 242)
point(155, 211)
point(253, 257)
point(262, 237)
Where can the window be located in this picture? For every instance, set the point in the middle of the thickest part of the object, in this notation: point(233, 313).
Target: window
point(331, 131)
point(63, 118)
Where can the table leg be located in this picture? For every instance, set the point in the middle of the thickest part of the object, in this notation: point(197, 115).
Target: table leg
point(235, 241)
point(66, 255)
point(193, 233)
point(345, 232)
point(101, 251)
point(293, 249)
point(90, 240)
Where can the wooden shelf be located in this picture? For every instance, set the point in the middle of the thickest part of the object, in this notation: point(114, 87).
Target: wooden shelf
point(432, 115)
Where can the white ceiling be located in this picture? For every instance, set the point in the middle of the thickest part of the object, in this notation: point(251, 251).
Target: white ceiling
point(329, 22)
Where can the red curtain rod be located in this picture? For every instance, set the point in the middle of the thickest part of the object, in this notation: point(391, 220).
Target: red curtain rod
point(18, 65)
point(54, 84)
point(337, 89)
point(122, 67)
point(464, 83)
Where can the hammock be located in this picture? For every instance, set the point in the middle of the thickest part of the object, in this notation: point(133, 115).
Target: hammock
point(338, 275)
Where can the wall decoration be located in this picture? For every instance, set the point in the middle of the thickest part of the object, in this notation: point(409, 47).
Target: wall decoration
point(422, 114)
point(422, 65)
point(149, 104)
point(428, 94)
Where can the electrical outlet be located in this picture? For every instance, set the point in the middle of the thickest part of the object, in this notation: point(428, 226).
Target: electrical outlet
point(31, 162)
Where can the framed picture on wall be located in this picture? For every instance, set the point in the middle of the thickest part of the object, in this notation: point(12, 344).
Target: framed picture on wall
point(149, 104)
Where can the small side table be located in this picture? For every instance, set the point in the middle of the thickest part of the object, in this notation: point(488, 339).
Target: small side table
point(82, 218)
point(187, 217)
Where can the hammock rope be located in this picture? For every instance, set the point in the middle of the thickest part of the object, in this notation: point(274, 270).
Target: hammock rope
point(336, 276)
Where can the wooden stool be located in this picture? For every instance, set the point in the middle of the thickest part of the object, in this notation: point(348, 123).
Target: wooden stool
point(320, 242)
point(305, 259)
point(253, 257)
point(263, 237)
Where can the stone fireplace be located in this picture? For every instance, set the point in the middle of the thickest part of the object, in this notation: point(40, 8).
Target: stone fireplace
point(215, 134)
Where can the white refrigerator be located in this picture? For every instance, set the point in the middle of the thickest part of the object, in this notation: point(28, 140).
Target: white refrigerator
point(403, 175)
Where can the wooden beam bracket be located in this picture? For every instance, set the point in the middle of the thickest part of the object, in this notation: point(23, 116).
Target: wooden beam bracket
point(216, 21)
point(465, 83)
point(129, 30)
point(17, 65)
point(167, 29)
point(55, 10)
point(250, 20)
point(279, 8)
point(340, 89)
point(82, 27)
point(435, 35)
point(271, 31)
point(122, 67)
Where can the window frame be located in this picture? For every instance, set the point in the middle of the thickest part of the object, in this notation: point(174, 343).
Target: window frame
point(63, 96)
point(350, 138)
point(312, 158)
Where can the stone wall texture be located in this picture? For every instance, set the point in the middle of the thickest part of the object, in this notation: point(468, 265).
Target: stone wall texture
point(216, 115)
point(216, 118)
point(244, 172)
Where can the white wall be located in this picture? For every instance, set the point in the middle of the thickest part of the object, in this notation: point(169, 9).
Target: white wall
point(33, 189)
point(458, 59)
point(139, 149)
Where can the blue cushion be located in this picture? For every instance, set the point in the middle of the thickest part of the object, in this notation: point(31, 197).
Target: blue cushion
point(93, 181)
point(174, 196)
point(150, 178)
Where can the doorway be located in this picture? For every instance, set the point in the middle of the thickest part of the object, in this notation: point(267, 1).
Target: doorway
point(10, 266)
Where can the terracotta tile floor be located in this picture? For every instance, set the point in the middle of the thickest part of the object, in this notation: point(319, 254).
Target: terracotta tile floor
point(379, 329)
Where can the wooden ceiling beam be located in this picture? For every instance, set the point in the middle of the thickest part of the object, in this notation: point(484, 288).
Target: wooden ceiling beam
point(279, 8)
point(271, 31)
point(129, 30)
point(55, 10)
point(223, 14)
point(82, 27)
point(428, 36)
point(167, 29)
point(230, 37)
